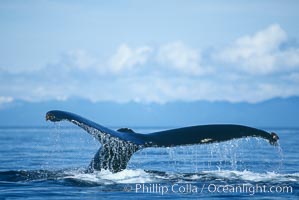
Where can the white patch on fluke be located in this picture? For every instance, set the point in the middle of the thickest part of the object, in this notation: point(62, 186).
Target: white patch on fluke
point(205, 140)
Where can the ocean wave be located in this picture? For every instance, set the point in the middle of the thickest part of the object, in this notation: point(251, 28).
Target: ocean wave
point(130, 176)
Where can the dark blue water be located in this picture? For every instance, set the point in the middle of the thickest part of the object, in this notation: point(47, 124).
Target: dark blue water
point(38, 163)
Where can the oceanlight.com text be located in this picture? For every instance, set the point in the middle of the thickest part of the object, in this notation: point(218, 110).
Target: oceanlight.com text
point(188, 188)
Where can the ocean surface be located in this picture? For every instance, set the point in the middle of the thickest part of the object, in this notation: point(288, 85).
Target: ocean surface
point(51, 163)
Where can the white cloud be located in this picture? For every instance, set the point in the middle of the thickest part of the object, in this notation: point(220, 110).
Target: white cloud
point(172, 57)
point(79, 59)
point(162, 89)
point(149, 88)
point(289, 58)
point(294, 77)
point(5, 99)
point(261, 53)
point(126, 58)
point(180, 57)
point(150, 78)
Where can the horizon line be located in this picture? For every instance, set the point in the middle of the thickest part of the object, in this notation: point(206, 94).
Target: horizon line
point(9, 100)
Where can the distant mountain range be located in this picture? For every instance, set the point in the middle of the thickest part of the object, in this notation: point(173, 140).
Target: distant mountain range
point(277, 112)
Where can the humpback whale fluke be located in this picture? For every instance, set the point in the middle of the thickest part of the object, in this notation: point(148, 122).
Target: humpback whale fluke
point(118, 146)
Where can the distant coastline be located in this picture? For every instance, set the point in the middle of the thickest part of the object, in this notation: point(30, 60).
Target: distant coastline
point(276, 112)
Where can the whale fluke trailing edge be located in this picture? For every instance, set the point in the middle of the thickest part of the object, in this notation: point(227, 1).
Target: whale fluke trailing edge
point(118, 146)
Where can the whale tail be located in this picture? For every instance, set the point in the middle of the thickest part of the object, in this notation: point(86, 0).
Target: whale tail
point(118, 146)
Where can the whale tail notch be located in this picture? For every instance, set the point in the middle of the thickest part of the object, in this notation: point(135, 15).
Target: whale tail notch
point(118, 146)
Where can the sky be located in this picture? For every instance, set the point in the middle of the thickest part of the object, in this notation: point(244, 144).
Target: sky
point(148, 51)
